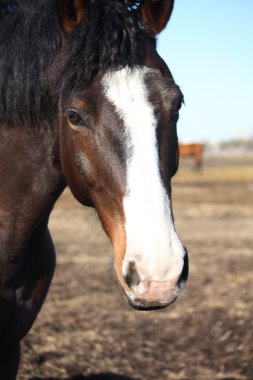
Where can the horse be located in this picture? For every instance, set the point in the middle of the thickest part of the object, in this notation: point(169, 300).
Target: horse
point(86, 102)
point(195, 151)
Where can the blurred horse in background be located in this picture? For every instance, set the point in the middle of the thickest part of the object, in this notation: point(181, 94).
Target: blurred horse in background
point(195, 151)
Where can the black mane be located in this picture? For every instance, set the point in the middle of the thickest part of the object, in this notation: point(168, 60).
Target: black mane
point(29, 38)
point(31, 56)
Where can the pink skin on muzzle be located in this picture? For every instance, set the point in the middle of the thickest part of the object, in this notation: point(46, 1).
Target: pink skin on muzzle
point(155, 291)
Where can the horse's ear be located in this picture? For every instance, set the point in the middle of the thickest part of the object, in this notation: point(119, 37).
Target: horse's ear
point(70, 13)
point(155, 14)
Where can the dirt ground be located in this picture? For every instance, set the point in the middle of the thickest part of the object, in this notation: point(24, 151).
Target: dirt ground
point(87, 331)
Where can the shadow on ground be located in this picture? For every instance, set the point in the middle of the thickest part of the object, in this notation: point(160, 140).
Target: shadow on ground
point(100, 376)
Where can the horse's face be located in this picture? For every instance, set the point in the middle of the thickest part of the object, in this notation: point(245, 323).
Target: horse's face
point(119, 151)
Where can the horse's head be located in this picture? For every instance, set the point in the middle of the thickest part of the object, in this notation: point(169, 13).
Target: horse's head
point(119, 150)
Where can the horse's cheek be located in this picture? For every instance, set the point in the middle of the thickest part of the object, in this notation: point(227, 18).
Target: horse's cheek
point(73, 171)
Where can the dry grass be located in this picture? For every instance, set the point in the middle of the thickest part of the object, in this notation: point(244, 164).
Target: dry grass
point(217, 170)
point(219, 175)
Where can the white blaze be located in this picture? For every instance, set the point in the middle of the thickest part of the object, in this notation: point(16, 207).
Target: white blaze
point(152, 242)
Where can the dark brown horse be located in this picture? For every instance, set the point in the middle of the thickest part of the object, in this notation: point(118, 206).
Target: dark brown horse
point(195, 151)
point(85, 101)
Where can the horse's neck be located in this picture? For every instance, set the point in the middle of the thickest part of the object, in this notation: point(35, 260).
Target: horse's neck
point(31, 181)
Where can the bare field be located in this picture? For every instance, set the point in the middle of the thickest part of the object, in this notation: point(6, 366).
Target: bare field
point(235, 170)
point(86, 330)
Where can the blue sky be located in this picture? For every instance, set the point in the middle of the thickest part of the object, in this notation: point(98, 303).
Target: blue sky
point(208, 46)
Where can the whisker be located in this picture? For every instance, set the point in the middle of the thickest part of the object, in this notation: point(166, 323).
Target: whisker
point(184, 293)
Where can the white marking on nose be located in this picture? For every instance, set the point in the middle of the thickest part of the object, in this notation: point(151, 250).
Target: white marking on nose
point(152, 242)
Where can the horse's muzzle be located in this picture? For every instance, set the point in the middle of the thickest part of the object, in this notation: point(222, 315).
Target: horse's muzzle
point(142, 305)
point(153, 295)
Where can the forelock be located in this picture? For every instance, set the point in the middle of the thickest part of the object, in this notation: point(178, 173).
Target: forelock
point(111, 37)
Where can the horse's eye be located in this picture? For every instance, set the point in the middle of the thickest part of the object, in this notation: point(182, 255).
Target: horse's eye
point(76, 119)
point(177, 109)
point(179, 105)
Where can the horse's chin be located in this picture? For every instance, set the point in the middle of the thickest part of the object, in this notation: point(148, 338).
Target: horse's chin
point(142, 305)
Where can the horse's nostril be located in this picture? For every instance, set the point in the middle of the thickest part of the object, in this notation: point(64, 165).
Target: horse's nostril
point(184, 275)
point(128, 280)
point(132, 277)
